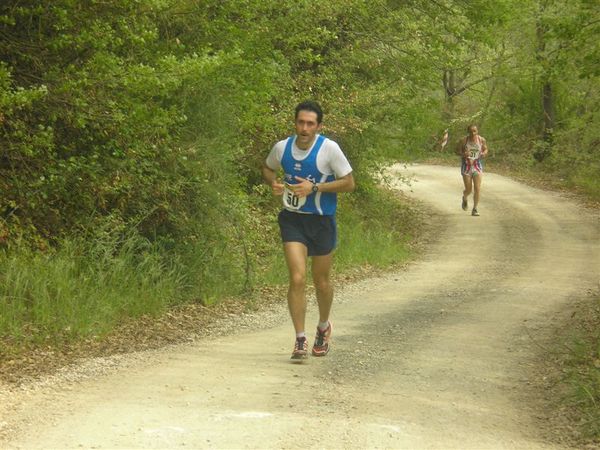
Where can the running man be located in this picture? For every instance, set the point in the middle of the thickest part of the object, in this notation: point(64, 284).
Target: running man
point(472, 148)
point(314, 170)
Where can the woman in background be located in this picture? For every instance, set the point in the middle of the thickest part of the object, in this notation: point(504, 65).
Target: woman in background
point(472, 149)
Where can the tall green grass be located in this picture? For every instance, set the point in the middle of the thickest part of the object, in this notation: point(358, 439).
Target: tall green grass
point(82, 289)
point(374, 228)
point(369, 244)
point(86, 287)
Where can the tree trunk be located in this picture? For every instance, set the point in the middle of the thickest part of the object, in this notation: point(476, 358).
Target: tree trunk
point(449, 90)
point(545, 149)
point(548, 110)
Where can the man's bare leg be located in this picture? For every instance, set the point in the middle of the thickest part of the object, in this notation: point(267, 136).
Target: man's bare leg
point(321, 269)
point(296, 256)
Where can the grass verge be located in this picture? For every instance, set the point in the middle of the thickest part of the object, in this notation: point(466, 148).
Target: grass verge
point(105, 297)
point(80, 290)
point(582, 370)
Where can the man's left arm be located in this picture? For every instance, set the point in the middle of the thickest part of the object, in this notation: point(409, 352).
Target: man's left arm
point(342, 184)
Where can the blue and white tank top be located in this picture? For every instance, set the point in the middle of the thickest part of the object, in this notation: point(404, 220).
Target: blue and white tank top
point(321, 203)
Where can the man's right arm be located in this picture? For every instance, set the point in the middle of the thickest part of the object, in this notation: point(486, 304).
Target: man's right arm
point(268, 174)
point(270, 178)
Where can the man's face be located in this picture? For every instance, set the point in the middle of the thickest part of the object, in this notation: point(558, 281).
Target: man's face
point(306, 128)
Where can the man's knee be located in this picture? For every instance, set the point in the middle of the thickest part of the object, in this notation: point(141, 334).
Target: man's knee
point(297, 280)
point(322, 283)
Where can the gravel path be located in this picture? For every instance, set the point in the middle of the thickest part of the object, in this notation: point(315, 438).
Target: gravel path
point(439, 355)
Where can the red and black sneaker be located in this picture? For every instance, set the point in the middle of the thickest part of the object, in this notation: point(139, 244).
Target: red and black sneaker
point(300, 349)
point(322, 339)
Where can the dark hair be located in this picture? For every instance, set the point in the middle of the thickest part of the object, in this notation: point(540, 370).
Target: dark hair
point(312, 106)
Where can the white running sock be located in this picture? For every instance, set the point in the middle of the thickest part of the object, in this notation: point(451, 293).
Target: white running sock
point(323, 325)
point(300, 335)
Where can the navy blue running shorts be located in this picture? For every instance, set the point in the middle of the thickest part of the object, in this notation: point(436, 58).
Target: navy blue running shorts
point(318, 233)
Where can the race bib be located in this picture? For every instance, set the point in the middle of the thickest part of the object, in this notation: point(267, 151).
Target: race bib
point(291, 200)
point(474, 153)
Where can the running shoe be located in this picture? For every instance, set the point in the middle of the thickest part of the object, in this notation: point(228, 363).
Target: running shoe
point(321, 345)
point(300, 349)
point(465, 205)
point(474, 212)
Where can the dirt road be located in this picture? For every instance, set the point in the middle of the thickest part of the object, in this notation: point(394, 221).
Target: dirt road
point(434, 357)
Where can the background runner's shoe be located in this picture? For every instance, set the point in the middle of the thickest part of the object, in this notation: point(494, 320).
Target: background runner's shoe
point(465, 205)
point(474, 212)
point(300, 349)
point(321, 345)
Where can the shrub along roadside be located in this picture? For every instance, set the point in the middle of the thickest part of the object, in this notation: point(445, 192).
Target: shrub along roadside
point(84, 290)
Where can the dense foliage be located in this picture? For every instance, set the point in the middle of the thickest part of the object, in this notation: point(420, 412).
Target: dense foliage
point(146, 121)
point(155, 114)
